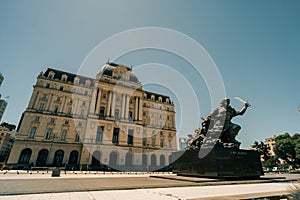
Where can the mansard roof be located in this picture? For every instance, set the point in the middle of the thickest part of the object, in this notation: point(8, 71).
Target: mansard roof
point(70, 77)
point(156, 96)
point(106, 70)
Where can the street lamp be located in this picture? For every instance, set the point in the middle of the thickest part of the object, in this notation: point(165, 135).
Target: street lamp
point(52, 137)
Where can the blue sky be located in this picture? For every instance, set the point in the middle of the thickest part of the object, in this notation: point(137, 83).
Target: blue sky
point(255, 45)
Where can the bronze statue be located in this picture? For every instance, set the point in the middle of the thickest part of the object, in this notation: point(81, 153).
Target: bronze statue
point(219, 125)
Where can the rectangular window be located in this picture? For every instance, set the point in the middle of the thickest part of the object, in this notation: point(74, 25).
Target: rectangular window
point(37, 118)
point(41, 107)
point(48, 134)
point(161, 143)
point(63, 135)
point(130, 116)
point(144, 142)
point(117, 117)
point(130, 137)
point(99, 135)
point(69, 110)
point(55, 109)
point(77, 137)
point(52, 120)
point(32, 132)
point(170, 143)
point(115, 138)
point(81, 113)
point(153, 142)
point(102, 111)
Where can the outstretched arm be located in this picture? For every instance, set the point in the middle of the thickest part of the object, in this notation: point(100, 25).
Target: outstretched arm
point(243, 110)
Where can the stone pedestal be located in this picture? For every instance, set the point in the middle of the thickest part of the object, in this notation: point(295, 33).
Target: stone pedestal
point(219, 163)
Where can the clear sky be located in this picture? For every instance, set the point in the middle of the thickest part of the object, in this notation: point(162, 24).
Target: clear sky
point(255, 45)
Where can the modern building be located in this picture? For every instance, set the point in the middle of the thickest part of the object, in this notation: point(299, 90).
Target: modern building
point(1, 78)
point(107, 121)
point(3, 105)
point(182, 142)
point(7, 137)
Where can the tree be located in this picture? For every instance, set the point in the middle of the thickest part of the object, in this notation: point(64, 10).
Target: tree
point(263, 150)
point(270, 163)
point(285, 148)
point(296, 142)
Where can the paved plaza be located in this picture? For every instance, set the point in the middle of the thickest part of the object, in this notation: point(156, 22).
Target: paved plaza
point(99, 185)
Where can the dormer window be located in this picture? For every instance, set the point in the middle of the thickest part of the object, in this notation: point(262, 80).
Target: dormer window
point(76, 80)
point(64, 77)
point(152, 97)
point(88, 82)
point(167, 100)
point(51, 74)
point(160, 99)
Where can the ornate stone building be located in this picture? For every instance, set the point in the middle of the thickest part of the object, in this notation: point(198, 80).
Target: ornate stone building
point(109, 121)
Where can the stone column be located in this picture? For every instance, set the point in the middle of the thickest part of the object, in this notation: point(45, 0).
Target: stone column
point(108, 105)
point(113, 104)
point(136, 108)
point(76, 105)
point(33, 99)
point(123, 106)
point(98, 103)
point(65, 105)
point(49, 102)
point(62, 105)
point(92, 105)
point(127, 106)
point(140, 110)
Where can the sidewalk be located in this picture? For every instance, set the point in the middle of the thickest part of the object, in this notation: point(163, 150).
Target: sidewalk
point(93, 185)
point(220, 192)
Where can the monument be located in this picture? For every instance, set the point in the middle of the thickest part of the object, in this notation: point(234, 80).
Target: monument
point(213, 150)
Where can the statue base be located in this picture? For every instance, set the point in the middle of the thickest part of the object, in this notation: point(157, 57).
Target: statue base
point(219, 162)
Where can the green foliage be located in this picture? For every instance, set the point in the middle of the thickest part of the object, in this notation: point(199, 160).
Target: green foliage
point(262, 149)
point(272, 162)
point(287, 148)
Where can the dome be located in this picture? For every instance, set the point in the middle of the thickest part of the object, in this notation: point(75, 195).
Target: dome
point(117, 71)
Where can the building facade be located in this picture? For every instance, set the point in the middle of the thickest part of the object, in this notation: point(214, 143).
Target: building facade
point(3, 105)
point(109, 120)
point(1, 78)
point(7, 137)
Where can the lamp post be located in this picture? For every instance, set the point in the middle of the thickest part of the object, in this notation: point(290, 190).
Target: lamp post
point(51, 145)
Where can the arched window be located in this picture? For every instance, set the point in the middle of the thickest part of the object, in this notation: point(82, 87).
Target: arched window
point(144, 160)
point(25, 156)
point(153, 160)
point(128, 159)
point(96, 158)
point(113, 157)
point(32, 132)
point(58, 158)
point(42, 158)
point(162, 160)
point(73, 157)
